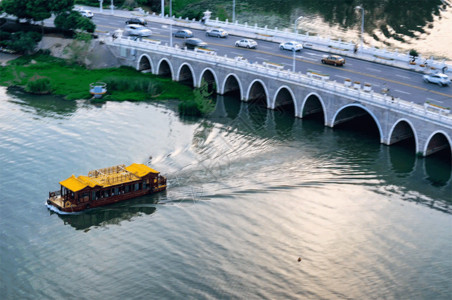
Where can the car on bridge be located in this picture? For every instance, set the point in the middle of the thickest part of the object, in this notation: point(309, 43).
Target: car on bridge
point(291, 45)
point(217, 32)
point(335, 60)
point(137, 30)
point(438, 78)
point(139, 21)
point(246, 43)
point(183, 33)
point(193, 43)
point(86, 13)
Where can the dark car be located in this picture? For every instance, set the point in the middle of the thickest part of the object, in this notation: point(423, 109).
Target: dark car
point(183, 33)
point(138, 21)
point(195, 43)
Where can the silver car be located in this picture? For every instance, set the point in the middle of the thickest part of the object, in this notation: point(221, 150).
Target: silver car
point(438, 78)
point(138, 30)
point(217, 32)
point(291, 45)
point(246, 43)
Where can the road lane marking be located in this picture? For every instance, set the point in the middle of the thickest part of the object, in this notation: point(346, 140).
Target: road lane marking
point(401, 76)
point(435, 100)
point(403, 92)
point(314, 54)
point(372, 69)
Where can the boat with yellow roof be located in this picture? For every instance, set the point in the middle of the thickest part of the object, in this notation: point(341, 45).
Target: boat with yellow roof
point(105, 186)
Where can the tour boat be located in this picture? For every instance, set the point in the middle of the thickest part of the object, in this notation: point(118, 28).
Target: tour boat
point(105, 186)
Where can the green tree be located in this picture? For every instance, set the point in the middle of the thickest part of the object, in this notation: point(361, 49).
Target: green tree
point(36, 10)
point(73, 20)
point(24, 42)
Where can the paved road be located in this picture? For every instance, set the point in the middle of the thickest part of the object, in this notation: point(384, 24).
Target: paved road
point(405, 84)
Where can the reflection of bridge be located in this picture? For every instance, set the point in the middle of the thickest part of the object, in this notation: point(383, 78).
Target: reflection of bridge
point(395, 119)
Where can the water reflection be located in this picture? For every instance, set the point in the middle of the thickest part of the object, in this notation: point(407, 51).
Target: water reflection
point(359, 150)
point(44, 105)
point(113, 214)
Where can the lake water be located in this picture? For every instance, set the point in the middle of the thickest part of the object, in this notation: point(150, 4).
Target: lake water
point(250, 192)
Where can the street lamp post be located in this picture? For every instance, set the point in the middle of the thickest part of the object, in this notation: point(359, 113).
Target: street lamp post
point(233, 11)
point(293, 64)
point(163, 8)
point(296, 23)
point(171, 23)
point(362, 23)
point(100, 5)
point(112, 8)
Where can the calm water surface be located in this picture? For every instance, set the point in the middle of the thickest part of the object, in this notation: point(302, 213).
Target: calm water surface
point(250, 192)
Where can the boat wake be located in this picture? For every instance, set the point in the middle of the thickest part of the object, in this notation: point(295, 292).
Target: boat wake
point(56, 210)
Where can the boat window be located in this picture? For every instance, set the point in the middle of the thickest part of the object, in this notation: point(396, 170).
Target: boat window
point(93, 195)
point(127, 188)
point(136, 186)
point(116, 191)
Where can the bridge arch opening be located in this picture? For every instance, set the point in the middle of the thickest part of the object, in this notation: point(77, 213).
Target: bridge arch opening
point(164, 69)
point(358, 119)
point(440, 146)
point(186, 75)
point(403, 135)
point(232, 86)
point(209, 77)
point(285, 101)
point(145, 64)
point(312, 108)
point(257, 93)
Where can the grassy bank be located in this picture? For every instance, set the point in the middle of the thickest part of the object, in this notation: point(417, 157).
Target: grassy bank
point(72, 81)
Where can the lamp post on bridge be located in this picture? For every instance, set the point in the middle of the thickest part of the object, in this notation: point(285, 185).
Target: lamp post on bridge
point(163, 8)
point(295, 29)
point(233, 11)
point(171, 22)
point(362, 23)
point(100, 5)
point(112, 8)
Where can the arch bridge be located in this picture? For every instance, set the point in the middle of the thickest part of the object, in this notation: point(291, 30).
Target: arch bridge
point(397, 120)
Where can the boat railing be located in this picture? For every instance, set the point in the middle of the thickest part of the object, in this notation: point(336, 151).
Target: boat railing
point(54, 194)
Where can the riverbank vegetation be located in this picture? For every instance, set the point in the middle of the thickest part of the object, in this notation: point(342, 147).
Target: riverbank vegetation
point(41, 73)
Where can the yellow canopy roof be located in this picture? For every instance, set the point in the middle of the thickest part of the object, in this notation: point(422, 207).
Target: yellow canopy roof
point(140, 170)
point(107, 177)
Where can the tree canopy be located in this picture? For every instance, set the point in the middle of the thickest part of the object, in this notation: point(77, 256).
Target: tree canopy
point(36, 10)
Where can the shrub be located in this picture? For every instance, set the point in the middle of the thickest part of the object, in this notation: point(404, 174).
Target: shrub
point(24, 41)
point(38, 85)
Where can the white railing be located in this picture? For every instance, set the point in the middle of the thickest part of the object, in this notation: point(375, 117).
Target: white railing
point(370, 97)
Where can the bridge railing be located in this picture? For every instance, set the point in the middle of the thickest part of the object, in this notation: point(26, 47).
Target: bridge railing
point(355, 94)
point(384, 56)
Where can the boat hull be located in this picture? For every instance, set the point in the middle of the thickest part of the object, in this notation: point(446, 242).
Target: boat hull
point(56, 201)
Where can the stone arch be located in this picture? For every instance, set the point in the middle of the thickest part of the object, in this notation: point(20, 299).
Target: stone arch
point(145, 64)
point(231, 81)
point(312, 104)
point(355, 112)
point(436, 142)
point(187, 74)
point(255, 90)
point(281, 96)
point(165, 68)
point(210, 77)
point(403, 129)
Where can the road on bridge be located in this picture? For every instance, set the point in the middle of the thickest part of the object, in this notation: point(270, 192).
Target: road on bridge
point(405, 84)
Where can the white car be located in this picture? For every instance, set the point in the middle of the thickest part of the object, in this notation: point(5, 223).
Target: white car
point(86, 13)
point(438, 78)
point(291, 45)
point(138, 30)
point(246, 43)
point(218, 32)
